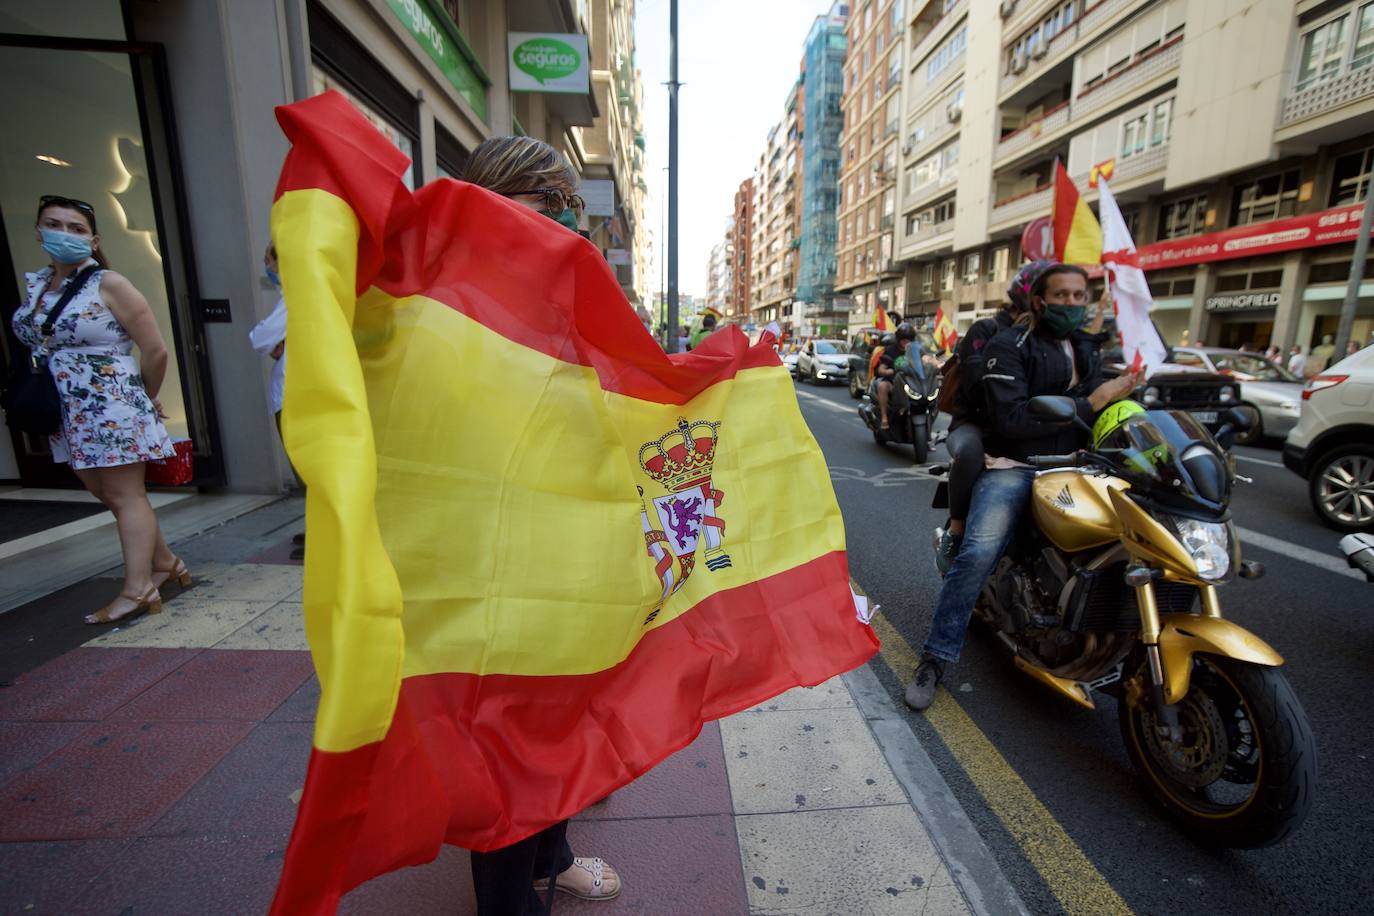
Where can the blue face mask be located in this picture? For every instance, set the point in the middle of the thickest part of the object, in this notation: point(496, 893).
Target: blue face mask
point(65, 248)
point(273, 277)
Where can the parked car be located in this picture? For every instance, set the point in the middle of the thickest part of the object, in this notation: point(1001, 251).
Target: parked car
point(1174, 386)
point(823, 361)
point(789, 354)
point(1270, 395)
point(1332, 447)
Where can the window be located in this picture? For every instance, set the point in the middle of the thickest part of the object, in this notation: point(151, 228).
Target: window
point(1133, 135)
point(1160, 121)
point(997, 266)
point(946, 53)
point(1230, 283)
point(924, 173)
point(1321, 51)
point(1364, 39)
point(973, 263)
point(928, 278)
point(912, 224)
point(949, 156)
point(947, 275)
point(1182, 217)
point(1351, 176)
point(1267, 198)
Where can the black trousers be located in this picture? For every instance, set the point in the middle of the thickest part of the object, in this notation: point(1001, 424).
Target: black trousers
point(504, 878)
point(965, 448)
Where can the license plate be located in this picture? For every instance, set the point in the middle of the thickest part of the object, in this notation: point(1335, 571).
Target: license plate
point(1205, 417)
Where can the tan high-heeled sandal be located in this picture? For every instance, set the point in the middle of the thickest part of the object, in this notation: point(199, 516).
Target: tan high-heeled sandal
point(178, 571)
point(150, 601)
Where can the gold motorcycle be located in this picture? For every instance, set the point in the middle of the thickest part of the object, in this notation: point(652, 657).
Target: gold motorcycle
point(1113, 590)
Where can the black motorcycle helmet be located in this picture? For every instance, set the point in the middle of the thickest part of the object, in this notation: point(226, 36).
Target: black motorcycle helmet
point(905, 331)
point(889, 340)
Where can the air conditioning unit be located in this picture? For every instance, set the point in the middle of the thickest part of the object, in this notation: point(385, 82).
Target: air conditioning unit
point(1018, 64)
point(1041, 50)
point(954, 111)
point(909, 145)
point(1007, 8)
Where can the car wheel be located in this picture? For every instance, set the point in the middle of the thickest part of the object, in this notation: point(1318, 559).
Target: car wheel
point(856, 389)
point(1255, 435)
point(815, 380)
point(1342, 488)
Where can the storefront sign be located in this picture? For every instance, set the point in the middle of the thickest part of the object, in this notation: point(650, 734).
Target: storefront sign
point(1329, 227)
point(599, 193)
point(617, 256)
point(215, 311)
point(1241, 301)
point(542, 62)
point(439, 37)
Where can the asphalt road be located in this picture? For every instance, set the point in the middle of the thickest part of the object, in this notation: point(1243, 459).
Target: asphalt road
point(1073, 760)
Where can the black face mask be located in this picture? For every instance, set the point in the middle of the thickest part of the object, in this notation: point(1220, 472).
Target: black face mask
point(1062, 320)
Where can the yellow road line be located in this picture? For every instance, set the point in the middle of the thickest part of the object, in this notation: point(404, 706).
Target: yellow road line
point(1070, 875)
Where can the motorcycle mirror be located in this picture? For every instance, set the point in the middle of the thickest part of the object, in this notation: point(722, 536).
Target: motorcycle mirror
point(1053, 408)
point(1239, 420)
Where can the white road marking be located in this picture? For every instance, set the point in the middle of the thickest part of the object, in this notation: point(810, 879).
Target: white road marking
point(888, 477)
point(823, 402)
point(1272, 464)
point(1329, 562)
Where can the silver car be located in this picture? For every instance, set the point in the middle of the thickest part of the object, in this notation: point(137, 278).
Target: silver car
point(823, 361)
point(1268, 392)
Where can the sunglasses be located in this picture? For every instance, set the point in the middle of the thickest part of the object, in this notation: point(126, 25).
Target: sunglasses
point(556, 200)
point(50, 200)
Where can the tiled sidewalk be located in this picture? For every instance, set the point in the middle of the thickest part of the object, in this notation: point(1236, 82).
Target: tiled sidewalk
point(156, 769)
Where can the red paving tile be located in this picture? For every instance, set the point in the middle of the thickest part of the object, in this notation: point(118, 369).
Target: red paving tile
point(692, 781)
point(444, 886)
point(26, 743)
point(301, 705)
point(86, 685)
point(113, 780)
point(249, 791)
point(45, 877)
point(238, 684)
point(207, 876)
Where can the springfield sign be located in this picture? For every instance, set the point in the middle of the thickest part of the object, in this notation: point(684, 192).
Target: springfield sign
point(548, 62)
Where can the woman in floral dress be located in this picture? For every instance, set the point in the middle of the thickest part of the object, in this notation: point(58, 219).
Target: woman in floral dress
point(111, 424)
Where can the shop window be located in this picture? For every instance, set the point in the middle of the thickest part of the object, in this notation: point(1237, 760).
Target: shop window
point(1351, 176)
point(1230, 283)
point(1267, 198)
point(1183, 217)
point(450, 155)
point(1266, 279)
point(1184, 286)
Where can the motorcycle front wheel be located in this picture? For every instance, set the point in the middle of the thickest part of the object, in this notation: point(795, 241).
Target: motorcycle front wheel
point(1244, 774)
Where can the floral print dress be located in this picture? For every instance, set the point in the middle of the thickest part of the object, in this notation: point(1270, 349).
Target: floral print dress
point(107, 417)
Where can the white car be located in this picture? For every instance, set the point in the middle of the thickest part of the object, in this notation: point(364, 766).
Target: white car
point(1269, 394)
point(1332, 447)
point(823, 361)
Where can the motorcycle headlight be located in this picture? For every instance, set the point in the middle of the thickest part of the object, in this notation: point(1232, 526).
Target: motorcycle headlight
point(909, 392)
point(1151, 395)
point(933, 395)
point(1208, 543)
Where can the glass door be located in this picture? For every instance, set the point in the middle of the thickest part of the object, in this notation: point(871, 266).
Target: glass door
point(86, 120)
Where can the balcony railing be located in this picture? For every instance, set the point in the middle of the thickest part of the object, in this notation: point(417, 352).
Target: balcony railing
point(1145, 69)
point(930, 232)
point(1328, 94)
point(1029, 203)
point(1092, 20)
point(1027, 135)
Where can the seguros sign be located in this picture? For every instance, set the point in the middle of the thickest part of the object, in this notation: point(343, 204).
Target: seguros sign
point(541, 62)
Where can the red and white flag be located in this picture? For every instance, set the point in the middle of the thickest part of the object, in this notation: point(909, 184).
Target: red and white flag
point(1141, 345)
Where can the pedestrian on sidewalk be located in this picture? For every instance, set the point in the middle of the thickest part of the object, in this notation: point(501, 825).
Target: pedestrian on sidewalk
point(268, 337)
point(1297, 362)
point(536, 176)
point(111, 418)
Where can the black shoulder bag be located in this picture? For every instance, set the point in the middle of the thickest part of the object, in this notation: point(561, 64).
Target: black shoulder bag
point(30, 395)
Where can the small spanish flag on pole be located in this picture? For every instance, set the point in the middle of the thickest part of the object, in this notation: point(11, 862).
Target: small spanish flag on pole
point(1077, 234)
point(542, 552)
point(945, 334)
point(880, 320)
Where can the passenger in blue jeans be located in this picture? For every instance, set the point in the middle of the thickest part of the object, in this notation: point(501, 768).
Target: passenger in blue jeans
point(1045, 352)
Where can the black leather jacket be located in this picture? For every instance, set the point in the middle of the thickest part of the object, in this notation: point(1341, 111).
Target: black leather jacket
point(1019, 364)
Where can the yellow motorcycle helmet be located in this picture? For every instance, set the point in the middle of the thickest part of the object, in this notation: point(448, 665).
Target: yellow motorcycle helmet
point(1112, 417)
point(1142, 452)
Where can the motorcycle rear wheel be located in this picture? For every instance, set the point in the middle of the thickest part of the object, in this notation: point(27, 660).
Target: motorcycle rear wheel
point(1245, 773)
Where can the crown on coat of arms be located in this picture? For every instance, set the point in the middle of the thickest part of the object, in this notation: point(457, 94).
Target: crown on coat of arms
point(681, 458)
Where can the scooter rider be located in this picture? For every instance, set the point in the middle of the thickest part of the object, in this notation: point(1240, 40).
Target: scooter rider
point(886, 371)
point(1045, 352)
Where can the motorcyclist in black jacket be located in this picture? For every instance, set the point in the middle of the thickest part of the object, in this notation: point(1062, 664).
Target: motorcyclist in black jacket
point(1045, 352)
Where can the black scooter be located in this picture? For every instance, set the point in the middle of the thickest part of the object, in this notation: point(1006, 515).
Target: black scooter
point(911, 410)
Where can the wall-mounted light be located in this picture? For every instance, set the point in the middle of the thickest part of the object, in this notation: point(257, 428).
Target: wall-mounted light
point(53, 160)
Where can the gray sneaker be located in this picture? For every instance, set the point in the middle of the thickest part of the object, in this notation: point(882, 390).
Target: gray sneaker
point(920, 693)
point(946, 549)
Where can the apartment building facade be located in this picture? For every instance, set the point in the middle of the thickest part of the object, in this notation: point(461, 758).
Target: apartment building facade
point(777, 220)
point(1237, 137)
point(868, 271)
point(741, 250)
point(161, 115)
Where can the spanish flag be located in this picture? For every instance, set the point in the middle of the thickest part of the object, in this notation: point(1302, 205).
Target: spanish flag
point(880, 320)
point(542, 552)
point(1077, 234)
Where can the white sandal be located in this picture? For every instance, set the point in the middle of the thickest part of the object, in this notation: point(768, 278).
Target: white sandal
point(586, 879)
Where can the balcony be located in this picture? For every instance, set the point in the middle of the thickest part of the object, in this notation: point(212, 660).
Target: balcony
point(1094, 20)
point(929, 235)
point(1029, 134)
point(1148, 68)
point(1022, 207)
point(929, 190)
point(1327, 95)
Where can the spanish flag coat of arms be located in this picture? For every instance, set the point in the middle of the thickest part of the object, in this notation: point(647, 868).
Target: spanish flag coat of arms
point(542, 552)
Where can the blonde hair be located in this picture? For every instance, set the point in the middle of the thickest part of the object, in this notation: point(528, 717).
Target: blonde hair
point(514, 165)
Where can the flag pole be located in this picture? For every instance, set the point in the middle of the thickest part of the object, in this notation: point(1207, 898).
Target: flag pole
point(1352, 286)
point(671, 342)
